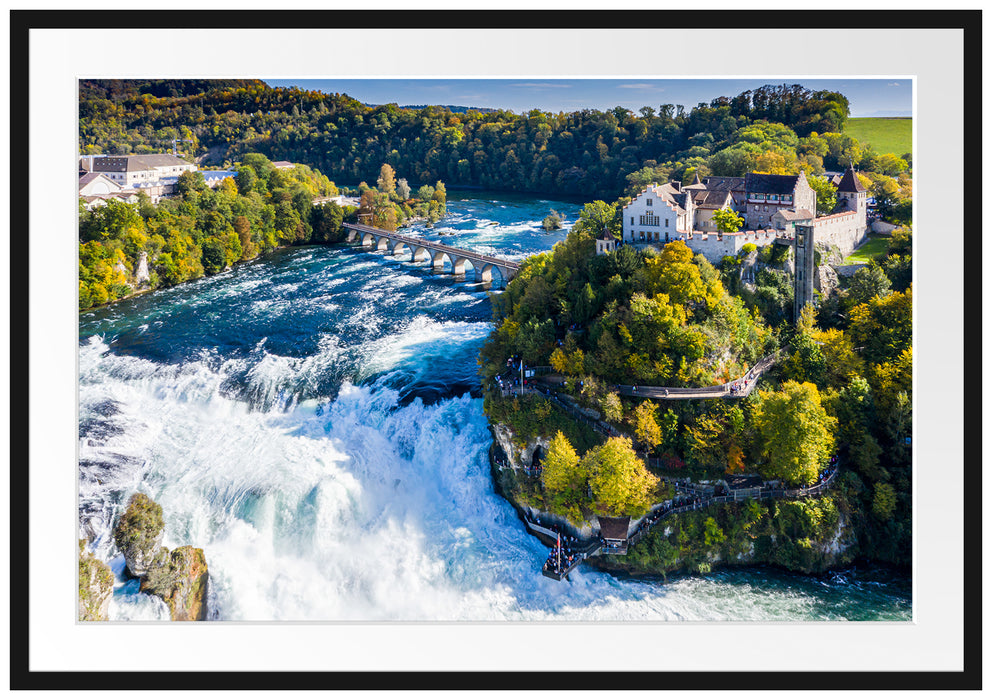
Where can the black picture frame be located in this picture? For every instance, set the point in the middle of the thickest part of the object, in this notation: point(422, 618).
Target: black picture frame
point(22, 22)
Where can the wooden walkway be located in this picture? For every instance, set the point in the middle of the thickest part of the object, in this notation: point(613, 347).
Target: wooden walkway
point(734, 389)
point(695, 498)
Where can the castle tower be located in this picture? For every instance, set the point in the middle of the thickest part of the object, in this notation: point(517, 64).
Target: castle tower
point(852, 196)
point(805, 260)
point(605, 243)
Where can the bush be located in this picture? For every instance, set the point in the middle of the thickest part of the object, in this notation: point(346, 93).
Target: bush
point(552, 222)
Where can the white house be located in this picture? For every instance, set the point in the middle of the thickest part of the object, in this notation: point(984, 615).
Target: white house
point(136, 171)
point(92, 184)
point(659, 214)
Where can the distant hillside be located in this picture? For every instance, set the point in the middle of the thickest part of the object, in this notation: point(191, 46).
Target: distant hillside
point(886, 135)
point(588, 153)
point(130, 89)
point(456, 109)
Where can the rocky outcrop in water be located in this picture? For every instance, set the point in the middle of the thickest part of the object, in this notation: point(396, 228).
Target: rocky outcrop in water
point(181, 581)
point(138, 534)
point(178, 577)
point(96, 586)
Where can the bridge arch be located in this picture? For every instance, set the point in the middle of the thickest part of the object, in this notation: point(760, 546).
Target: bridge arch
point(419, 253)
point(459, 262)
point(396, 247)
point(485, 274)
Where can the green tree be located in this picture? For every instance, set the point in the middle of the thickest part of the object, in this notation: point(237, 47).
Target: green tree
point(866, 284)
point(214, 258)
point(713, 535)
point(621, 485)
point(646, 428)
point(564, 479)
point(826, 194)
point(387, 180)
point(728, 221)
point(890, 164)
point(611, 407)
point(796, 434)
point(883, 505)
point(598, 216)
point(326, 220)
point(865, 454)
point(885, 190)
point(246, 179)
point(190, 183)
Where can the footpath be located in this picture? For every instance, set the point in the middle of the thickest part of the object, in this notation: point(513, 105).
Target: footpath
point(569, 551)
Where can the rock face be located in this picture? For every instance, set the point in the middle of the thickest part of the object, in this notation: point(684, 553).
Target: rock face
point(141, 276)
point(826, 280)
point(182, 583)
point(96, 586)
point(179, 577)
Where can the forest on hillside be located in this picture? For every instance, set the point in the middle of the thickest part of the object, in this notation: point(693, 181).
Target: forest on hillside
point(595, 154)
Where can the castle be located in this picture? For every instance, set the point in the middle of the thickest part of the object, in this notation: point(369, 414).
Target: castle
point(772, 207)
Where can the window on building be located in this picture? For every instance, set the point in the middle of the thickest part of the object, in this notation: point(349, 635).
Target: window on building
point(649, 203)
point(666, 223)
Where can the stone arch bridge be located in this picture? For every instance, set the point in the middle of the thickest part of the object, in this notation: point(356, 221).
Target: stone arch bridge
point(421, 250)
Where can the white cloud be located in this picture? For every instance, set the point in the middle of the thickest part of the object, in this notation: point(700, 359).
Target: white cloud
point(540, 85)
point(893, 84)
point(642, 86)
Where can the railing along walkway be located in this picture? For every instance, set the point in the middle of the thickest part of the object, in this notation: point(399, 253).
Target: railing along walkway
point(734, 389)
point(582, 550)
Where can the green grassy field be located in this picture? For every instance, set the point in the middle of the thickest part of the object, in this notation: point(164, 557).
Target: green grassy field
point(875, 247)
point(884, 135)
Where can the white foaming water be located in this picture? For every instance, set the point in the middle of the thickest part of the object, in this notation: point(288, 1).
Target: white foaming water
point(358, 509)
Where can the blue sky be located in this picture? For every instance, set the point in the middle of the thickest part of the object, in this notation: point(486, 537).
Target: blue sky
point(874, 97)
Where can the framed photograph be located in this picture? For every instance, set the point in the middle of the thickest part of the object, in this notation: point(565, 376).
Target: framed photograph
point(554, 348)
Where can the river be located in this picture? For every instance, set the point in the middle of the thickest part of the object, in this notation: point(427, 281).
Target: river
point(311, 420)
